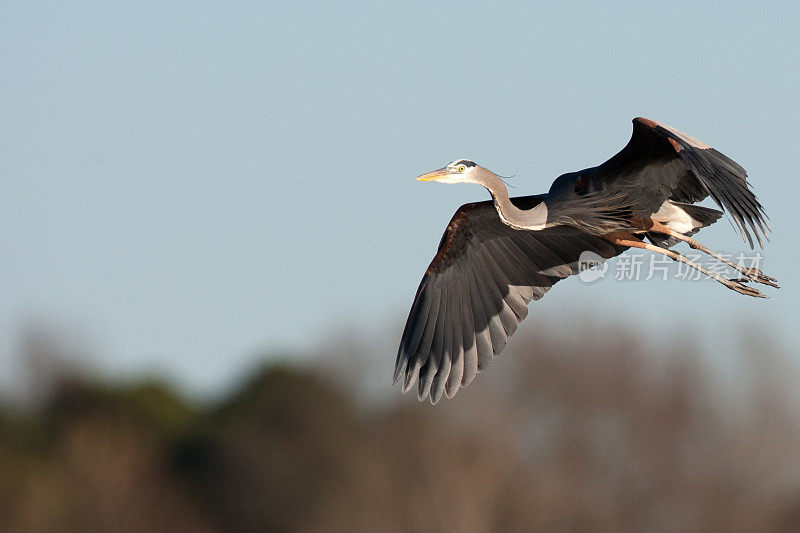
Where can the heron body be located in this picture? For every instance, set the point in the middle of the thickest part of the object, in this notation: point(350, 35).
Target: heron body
point(498, 255)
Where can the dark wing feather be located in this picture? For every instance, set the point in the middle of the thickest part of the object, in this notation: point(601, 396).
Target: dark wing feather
point(660, 163)
point(476, 291)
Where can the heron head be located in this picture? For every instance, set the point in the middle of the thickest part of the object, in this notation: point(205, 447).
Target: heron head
point(458, 171)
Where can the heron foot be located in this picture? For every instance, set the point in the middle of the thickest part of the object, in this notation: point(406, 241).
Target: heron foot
point(759, 277)
point(739, 286)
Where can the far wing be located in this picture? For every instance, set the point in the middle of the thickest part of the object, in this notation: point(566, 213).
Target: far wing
point(661, 163)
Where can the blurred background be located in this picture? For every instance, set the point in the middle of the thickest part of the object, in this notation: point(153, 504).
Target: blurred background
point(210, 239)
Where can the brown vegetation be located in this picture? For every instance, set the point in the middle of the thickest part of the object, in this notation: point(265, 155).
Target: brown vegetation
point(604, 431)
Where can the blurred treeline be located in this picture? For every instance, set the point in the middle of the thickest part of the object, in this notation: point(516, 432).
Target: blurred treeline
point(580, 427)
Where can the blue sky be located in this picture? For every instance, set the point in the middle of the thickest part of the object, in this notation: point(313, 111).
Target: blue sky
point(193, 185)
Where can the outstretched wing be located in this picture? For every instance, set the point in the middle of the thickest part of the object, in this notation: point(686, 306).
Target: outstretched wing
point(476, 291)
point(660, 163)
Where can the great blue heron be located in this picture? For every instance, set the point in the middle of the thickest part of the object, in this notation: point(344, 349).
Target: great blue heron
point(496, 256)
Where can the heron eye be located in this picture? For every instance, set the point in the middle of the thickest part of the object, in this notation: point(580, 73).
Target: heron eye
point(462, 168)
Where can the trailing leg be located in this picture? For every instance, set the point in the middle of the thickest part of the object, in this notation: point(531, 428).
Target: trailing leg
point(628, 239)
point(752, 273)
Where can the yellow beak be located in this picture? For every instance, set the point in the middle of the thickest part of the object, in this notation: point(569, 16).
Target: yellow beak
point(433, 175)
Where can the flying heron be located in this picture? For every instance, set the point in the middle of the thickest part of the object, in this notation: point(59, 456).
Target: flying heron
point(496, 256)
